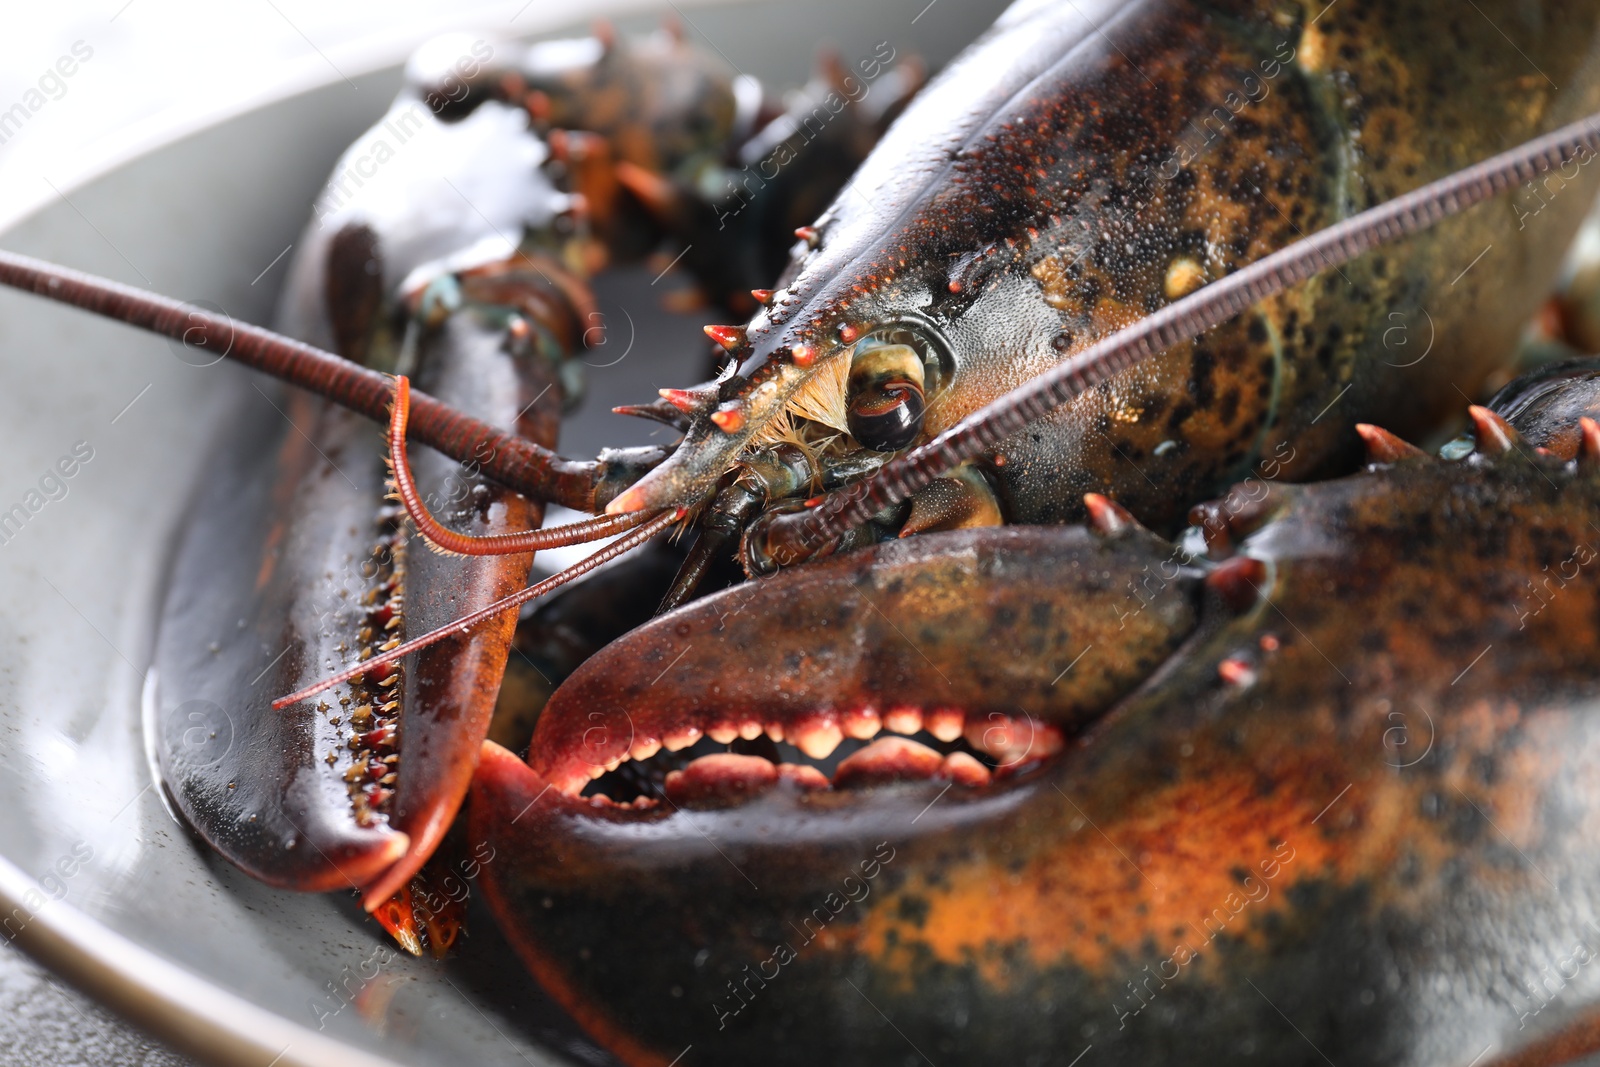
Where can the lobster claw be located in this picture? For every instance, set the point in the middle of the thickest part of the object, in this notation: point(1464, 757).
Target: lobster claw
point(246, 777)
point(1373, 771)
point(275, 590)
point(994, 645)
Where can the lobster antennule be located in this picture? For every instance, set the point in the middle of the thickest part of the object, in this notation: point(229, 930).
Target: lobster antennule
point(448, 540)
point(660, 521)
point(795, 535)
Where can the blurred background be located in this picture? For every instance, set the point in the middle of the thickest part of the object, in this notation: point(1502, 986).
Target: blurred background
point(151, 70)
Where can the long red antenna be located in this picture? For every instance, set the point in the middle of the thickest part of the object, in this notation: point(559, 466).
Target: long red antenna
point(576, 533)
point(512, 461)
point(616, 548)
point(794, 535)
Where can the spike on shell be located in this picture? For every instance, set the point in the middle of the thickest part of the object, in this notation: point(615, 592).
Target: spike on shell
point(809, 235)
point(1385, 447)
point(729, 418)
point(762, 296)
point(1589, 441)
point(731, 338)
point(803, 356)
point(1237, 582)
point(848, 333)
point(1107, 517)
point(683, 399)
point(1493, 434)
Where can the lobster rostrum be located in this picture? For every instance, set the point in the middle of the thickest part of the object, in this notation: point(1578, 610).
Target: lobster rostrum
point(1058, 183)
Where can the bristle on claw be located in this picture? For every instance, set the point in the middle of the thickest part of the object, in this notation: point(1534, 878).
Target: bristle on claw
point(731, 338)
point(1493, 435)
point(1107, 517)
point(1385, 447)
point(1588, 442)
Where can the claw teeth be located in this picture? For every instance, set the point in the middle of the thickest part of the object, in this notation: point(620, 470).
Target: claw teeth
point(716, 780)
point(644, 749)
point(1013, 741)
point(680, 739)
point(903, 720)
point(816, 739)
point(750, 730)
point(1385, 447)
point(862, 724)
point(963, 769)
point(804, 776)
point(722, 734)
point(1493, 434)
point(944, 723)
point(888, 759)
point(775, 731)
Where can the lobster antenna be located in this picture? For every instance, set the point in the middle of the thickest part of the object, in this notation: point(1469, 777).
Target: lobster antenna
point(512, 461)
point(626, 543)
point(460, 544)
point(794, 535)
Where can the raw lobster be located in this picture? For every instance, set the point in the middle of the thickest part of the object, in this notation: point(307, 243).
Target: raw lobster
point(1081, 169)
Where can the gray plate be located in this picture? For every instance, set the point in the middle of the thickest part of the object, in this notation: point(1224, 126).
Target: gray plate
point(97, 879)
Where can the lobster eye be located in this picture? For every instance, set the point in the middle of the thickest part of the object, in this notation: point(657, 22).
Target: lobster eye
point(885, 402)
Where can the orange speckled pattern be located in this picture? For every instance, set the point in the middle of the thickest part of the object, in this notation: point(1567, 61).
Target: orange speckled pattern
point(1391, 783)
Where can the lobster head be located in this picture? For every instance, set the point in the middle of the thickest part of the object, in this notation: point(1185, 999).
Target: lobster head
point(907, 305)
